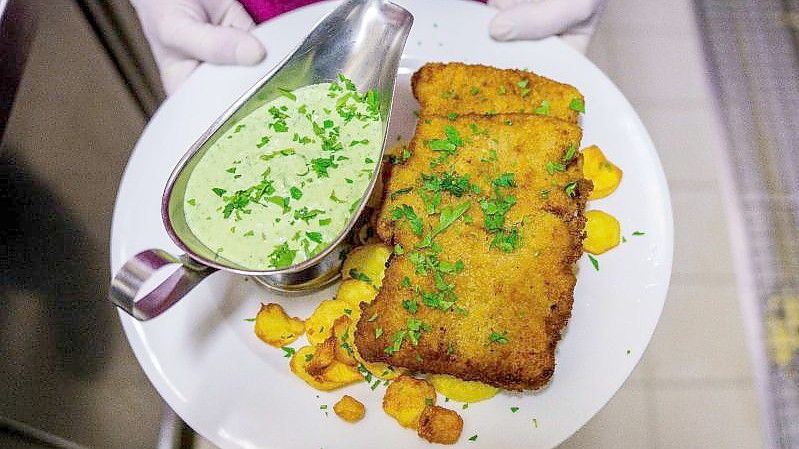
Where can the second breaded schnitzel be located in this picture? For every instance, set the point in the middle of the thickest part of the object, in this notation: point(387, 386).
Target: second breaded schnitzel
point(459, 88)
point(487, 221)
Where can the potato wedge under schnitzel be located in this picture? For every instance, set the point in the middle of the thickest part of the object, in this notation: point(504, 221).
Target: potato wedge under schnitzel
point(487, 219)
point(457, 88)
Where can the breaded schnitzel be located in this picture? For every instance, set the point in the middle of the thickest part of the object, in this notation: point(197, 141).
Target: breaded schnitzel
point(460, 88)
point(487, 219)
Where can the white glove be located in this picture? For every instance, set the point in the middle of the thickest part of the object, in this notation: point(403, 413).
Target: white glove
point(573, 20)
point(183, 33)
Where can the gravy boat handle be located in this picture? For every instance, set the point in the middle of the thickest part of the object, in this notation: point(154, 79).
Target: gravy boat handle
point(128, 281)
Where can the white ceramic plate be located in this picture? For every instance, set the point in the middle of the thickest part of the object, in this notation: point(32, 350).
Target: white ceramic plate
point(236, 391)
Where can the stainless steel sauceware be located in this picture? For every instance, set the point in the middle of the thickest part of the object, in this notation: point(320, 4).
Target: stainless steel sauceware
point(361, 39)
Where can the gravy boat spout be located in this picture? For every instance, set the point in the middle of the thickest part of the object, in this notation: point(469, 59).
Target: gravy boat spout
point(362, 40)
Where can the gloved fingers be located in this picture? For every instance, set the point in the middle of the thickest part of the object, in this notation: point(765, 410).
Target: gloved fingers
point(229, 13)
point(505, 4)
point(212, 43)
point(536, 20)
point(174, 72)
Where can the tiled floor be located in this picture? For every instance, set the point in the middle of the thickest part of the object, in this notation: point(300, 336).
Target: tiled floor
point(694, 388)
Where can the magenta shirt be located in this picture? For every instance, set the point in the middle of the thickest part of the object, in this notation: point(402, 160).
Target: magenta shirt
point(263, 10)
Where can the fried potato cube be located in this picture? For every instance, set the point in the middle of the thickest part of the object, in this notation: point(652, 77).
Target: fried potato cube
point(605, 175)
point(298, 365)
point(334, 375)
point(406, 398)
point(274, 327)
point(367, 263)
point(324, 355)
point(319, 326)
point(349, 409)
point(354, 292)
point(602, 232)
point(462, 390)
point(440, 425)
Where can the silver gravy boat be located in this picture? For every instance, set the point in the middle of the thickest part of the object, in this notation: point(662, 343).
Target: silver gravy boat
point(362, 39)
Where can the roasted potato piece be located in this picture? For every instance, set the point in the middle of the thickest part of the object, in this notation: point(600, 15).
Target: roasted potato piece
point(602, 232)
point(605, 175)
point(334, 375)
point(406, 398)
point(462, 390)
point(324, 355)
point(367, 263)
point(349, 409)
point(440, 425)
point(319, 325)
point(354, 291)
point(273, 326)
point(343, 334)
point(343, 374)
point(298, 365)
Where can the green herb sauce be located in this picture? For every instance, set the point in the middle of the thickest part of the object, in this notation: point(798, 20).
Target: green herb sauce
point(283, 183)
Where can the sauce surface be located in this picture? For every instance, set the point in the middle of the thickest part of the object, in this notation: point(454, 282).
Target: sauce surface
point(282, 183)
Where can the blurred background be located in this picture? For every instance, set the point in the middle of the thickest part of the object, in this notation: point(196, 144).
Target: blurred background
point(90, 85)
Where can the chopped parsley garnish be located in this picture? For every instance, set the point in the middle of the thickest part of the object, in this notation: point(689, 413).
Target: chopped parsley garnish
point(474, 90)
point(448, 216)
point(495, 337)
point(325, 221)
point(410, 305)
point(249, 320)
point(295, 193)
point(543, 109)
point(552, 167)
point(473, 437)
point(192, 202)
point(335, 198)
point(571, 189)
point(274, 154)
point(288, 351)
point(524, 90)
point(452, 116)
point(502, 90)
point(544, 194)
point(398, 250)
point(282, 256)
point(514, 409)
point(219, 192)
point(264, 141)
point(378, 332)
point(372, 318)
point(357, 274)
point(396, 342)
point(287, 93)
point(407, 212)
point(594, 262)
point(314, 236)
point(638, 233)
point(282, 201)
point(308, 357)
point(399, 192)
point(321, 165)
point(570, 152)
point(577, 105)
point(304, 214)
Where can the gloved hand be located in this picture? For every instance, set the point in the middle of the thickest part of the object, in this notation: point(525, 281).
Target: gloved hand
point(182, 33)
point(573, 20)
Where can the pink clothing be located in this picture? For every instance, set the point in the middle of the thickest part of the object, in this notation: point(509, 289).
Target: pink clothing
point(263, 10)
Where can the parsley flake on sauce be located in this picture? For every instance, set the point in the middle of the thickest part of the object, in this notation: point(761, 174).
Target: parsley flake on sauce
point(282, 256)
